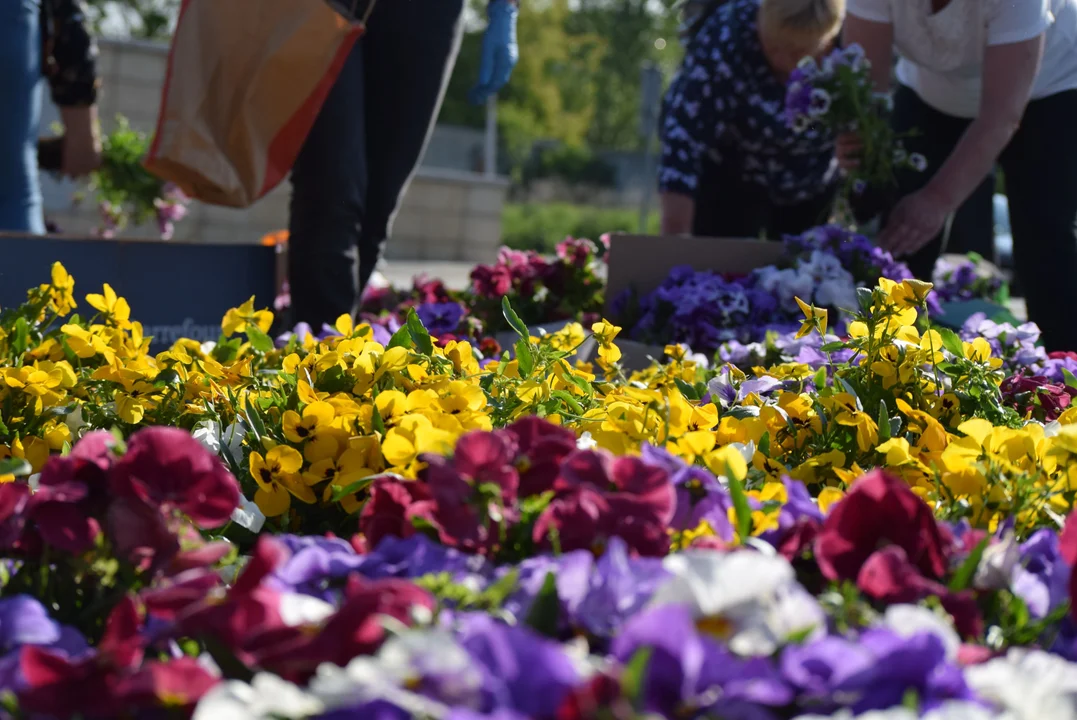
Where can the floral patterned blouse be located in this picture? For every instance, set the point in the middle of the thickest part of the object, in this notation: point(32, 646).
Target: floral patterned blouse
point(69, 53)
point(727, 102)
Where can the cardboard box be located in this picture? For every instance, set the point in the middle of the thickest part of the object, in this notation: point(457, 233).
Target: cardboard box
point(643, 262)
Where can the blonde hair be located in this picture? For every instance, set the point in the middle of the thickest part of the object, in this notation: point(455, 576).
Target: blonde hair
point(806, 23)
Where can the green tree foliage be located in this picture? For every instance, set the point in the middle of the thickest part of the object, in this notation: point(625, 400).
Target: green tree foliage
point(552, 91)
point(147, 19)
point(636, 31)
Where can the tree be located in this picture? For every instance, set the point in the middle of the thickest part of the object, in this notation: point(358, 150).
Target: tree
point(636, 31)
point(147, 19)
point(552, 92)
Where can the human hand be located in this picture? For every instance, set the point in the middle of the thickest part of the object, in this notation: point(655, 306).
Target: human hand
point(499, 50)
point(82, 141)
point(848, 149)
point(914, 222)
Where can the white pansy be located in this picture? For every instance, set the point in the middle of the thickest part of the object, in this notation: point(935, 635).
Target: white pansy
point(963, 710)
point(746, 450)
point(895, 713)
point(1028, 685)
point(232, 441)
point(208, 435)
point(208, 347)
point(298, 609)
point(248, 515)
point(404, 659)
point(754, 598)
point(267, 696)
point(75, 421)
point(909, 620)
point(998, 564)
point(586, 442)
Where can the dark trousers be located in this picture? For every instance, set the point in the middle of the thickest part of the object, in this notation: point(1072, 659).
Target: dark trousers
point(363, 150)
point(1040, 164)
point(726, 206)
point(973, 227)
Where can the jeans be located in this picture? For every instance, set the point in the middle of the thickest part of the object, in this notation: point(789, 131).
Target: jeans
point(20, 100)
point(363, 150)
point(726, 206)
point(1040, 164)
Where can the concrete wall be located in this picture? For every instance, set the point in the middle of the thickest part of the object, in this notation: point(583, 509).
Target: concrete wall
point(447, 214)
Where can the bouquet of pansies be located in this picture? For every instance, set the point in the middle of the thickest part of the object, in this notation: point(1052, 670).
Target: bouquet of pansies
point(838, 95)
point(968, 277)
point(706, 310)
point(126, 192)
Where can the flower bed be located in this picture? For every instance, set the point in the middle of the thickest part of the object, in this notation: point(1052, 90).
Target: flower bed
point(390, 525)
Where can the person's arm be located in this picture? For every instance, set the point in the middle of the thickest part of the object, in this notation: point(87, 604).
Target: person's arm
point(1009, 73)
point(876, 37)
point(71, 69)
point(692, 121)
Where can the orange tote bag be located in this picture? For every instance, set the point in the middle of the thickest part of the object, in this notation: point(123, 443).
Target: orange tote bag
point(245, 82)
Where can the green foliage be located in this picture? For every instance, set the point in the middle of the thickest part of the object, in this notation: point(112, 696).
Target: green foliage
point(578, 76)
point(573, 164)
point(540, 227)
point(122, 181)
point(147, 19)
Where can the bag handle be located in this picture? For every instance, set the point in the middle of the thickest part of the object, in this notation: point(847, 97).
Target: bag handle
point(366, 13)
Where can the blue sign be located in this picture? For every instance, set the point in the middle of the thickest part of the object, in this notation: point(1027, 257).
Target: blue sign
point(176, 290)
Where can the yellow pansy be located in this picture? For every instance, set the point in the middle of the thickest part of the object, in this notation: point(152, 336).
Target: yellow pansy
point(277, 475)
point(316, 416)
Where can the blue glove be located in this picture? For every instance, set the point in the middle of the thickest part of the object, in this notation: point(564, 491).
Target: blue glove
point(499, 50)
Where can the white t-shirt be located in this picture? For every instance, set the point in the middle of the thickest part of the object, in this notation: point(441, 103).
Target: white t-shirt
point(941, 54)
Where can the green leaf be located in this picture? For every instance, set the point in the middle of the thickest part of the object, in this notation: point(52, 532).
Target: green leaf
point(167, 378)
point(963, 577)
point(884, 422)
point(376, 420)
point(864, 298)
point(513, 319)
point(259, 340)
point(635, 674)
point(525, 360)
point(419, 334)
point(545, 612)
point(820, 378)
point(22, 336)
point(255, 420)
point(687, 390)
point(764, 444)
point(354, 487)
point(568, 400)
point(952, 342)
point(832, 347)
point(401, 338)
point(1070, 378)
point(15, 466)
point(231, 666)
point(740, 506)
point(497, 593)
point(579, 382)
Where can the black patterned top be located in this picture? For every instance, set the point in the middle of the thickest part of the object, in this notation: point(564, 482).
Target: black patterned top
point(69, 53)
point(726, 101)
